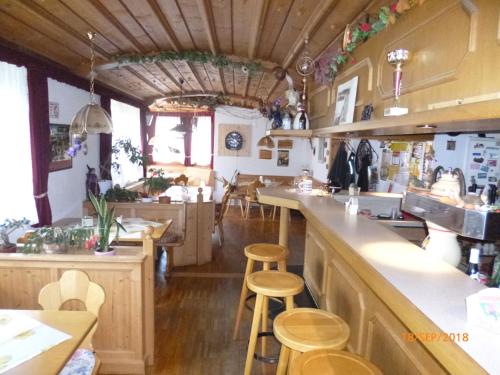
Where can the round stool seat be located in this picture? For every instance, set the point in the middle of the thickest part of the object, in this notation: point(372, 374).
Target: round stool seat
point(275, 283)
point(266, 252)
point(305, 329)
point(330, 361)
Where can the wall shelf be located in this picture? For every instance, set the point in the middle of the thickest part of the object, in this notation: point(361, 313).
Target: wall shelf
point(289, 133)
point(466, 118)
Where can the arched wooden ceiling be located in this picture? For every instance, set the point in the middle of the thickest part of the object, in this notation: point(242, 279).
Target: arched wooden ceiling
point(271, 31)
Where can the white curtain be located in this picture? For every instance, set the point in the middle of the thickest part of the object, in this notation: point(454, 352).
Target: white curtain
point(16, 190)
point(201, 142)
point(126, 125)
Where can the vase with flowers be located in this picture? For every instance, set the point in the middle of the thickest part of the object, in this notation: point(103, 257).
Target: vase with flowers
point(101, 240)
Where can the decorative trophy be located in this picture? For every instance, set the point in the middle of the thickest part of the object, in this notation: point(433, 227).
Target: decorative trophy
point(397, 58)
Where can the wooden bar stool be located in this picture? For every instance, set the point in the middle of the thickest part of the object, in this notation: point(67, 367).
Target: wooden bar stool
point(266, 253)
point(305, 329)
point(330, 361)
point(268, 284)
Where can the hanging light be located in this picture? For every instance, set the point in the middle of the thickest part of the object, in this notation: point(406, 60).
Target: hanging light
point(92, 118)
point(182, 127)
point(305, 67)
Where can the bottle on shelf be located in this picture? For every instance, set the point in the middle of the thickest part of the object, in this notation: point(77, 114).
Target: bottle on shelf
point(473, 270)
point(302, 120)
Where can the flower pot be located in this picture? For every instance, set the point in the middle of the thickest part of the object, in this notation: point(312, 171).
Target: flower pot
point(111, 252)
point(54, 248)
point(8, 249)
point(147, 199)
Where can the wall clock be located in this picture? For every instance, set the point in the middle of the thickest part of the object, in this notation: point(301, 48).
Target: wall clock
point(234, 141)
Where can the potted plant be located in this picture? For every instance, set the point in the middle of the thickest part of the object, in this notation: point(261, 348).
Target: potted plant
point(55, 240)
point(117, 194)
point(105, 221)
point(9, 226)
point(157, 183)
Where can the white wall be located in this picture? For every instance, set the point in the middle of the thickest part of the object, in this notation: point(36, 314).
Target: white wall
point(224, 166)
point(319, 169)
point(67, 187)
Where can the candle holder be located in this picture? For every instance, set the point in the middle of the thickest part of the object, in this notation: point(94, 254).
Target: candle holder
point(397, 58)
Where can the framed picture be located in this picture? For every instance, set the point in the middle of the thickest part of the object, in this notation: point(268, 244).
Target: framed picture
point(283, 158)
point(59, 143)
point(346, 100)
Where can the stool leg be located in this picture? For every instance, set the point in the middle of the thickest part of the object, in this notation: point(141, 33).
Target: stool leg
point(247, 209)
point(283, 361)
point(274, 212)
point(289, 303)
point(282, 265)
point(265, 316)
point(253, 333)
point(293, 356)
point(242, 209)
point(262, 212)
point(243, 297)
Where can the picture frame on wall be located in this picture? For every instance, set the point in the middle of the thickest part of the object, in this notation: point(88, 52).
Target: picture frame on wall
point(283, 158)
point(345, 102)
point(59, 144)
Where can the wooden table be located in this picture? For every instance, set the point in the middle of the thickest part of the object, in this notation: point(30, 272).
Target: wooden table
point(75, 323)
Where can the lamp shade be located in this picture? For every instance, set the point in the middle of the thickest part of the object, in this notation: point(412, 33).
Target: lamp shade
point(91, 119)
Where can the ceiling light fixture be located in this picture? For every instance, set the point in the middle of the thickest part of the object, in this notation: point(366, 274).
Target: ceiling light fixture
point(92, 118)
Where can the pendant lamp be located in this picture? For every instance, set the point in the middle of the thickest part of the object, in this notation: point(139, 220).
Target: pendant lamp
point(92, 118)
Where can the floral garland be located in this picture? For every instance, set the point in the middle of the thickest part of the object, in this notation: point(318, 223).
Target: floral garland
point(208, 101)
point(329, 64)
point(219, 61)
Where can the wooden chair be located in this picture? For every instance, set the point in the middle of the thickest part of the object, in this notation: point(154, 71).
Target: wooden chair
point(251, 198)
point(75, 285)
point(219, 214)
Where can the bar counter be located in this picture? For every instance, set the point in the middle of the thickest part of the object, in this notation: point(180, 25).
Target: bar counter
point(387, 289)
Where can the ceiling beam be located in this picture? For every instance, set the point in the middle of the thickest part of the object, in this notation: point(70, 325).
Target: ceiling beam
point(312, 25)
point(260, 11)
point(247, 85)
point(172, 38)
point(223, 81)
point(145, 80)
point(353, 21)
point(207, 16)
point(113, 20)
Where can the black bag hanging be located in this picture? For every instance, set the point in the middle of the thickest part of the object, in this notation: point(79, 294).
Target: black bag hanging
point(364, 158)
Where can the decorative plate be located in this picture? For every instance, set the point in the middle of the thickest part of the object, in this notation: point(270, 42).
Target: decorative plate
point(234, 141)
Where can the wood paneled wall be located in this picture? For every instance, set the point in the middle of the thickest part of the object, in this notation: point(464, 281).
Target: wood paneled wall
point(455, 54)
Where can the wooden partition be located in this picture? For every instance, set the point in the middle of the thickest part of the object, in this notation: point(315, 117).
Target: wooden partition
point(124, 340)
point(193, 221)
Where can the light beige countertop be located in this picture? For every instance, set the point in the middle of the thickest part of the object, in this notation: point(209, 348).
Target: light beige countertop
point(426, 294)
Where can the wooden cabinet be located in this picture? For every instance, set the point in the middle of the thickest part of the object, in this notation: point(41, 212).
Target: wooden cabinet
point(376, 333)
point(449, 81)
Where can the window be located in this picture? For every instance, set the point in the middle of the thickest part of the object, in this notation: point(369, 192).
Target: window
point(16, 193)
point(169, 145)
point(126, 125)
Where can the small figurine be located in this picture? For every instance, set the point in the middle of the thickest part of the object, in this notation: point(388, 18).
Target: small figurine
point(91, 183)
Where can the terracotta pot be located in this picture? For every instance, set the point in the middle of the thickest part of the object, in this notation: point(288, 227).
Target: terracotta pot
point(8, 249)
point(164, 199)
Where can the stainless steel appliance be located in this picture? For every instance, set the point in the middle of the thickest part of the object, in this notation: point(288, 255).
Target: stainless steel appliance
point(471, 223)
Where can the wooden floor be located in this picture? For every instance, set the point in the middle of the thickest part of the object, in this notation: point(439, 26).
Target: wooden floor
point(195, 307)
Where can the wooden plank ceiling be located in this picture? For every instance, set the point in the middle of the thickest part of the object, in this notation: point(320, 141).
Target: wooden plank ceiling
point(270, 31)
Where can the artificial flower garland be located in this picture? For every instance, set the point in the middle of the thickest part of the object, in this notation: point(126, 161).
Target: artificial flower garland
point(217, 60)
point(329, 64)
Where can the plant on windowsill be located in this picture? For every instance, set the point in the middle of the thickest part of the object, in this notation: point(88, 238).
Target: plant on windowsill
point(55, 240)
point(105, 221)
point(157, 183)
point(9, 226)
